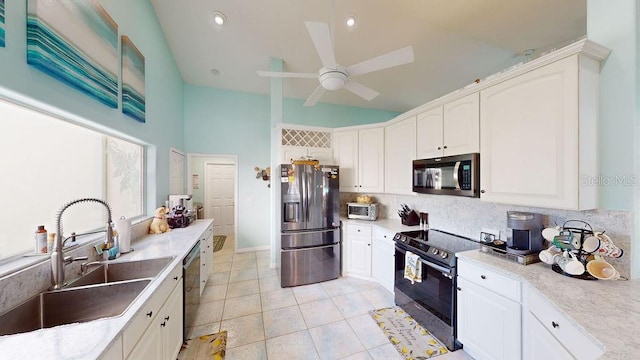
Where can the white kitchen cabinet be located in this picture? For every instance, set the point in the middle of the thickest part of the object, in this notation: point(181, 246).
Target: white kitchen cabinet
point(206, 256)
point(142, 339)
point(540, 344)
point(163, 338)
point(489, 313)
point(358, 250)
point(360, 155)
point(383, 258)
point(549, 334)
point(451, 129)
point(538, 137)
point(400, 151)
point(171, 324)
point(289, 153)
point(115, 350)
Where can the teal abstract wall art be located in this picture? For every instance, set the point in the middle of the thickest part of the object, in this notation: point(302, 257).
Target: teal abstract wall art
point(2, 23)
point(76, 42)
point(133, 100)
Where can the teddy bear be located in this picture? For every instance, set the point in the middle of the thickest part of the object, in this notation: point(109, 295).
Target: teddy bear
point(159, 224)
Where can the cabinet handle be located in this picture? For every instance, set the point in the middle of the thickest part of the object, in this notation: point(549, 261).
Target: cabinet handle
point(368, 244)
point(150, 313)
point(459, 288)
point(175, 278)
point(355, 185)
point(439, 148)
point(483, 277)
point(167, 318)
point(482, 191)
point(164, 323)
point(445, 146)
point(555, 324)
point(360, 185)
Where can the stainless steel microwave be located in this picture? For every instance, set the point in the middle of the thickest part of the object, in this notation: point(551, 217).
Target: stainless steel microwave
point(362, 211)
point(449, 175)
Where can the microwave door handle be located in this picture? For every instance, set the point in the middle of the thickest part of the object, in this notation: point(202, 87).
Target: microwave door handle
point(456, 178)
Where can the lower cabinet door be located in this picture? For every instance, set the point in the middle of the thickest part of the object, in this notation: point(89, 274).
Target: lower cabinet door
point(383, 263)
point(172, 320)
point(150, 344)
point(541, 344)
point(489, 325)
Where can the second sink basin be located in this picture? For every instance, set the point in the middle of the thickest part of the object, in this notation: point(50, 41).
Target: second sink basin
point(120, 271)
point(82, 304)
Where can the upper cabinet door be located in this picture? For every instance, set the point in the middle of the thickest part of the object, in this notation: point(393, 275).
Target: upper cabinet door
point(429, 134)
point(400, 151)
point(462, 126)
point(345, 154)
point(371, 160)
point(530, 129)
point(290, 153)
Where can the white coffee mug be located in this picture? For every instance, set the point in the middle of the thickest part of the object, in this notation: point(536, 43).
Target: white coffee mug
point(571, 265)
point(550, 256)
point(592, 243)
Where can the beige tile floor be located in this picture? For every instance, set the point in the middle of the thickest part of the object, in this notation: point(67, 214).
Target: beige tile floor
point(329, 320)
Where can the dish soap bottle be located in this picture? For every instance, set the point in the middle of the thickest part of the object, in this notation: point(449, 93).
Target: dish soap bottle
point(41, 240)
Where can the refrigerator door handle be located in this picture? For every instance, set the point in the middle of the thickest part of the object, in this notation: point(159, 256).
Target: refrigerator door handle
point(295, 232)
point(312, 247)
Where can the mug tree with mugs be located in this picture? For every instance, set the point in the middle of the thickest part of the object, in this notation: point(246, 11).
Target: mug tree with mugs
point(579, 252)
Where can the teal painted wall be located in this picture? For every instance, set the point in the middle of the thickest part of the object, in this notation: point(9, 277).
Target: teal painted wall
point(615, 25)
point(229, 122)
point(235, 123)
point(164, 87)
point(330, 115)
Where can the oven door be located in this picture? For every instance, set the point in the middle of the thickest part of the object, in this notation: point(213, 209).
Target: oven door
point(431, 302)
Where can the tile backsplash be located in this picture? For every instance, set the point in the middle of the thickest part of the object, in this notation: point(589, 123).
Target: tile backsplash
point(467, 217)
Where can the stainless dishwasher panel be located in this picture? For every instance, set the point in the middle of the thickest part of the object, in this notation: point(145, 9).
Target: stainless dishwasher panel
point(310, 265)
point(191, 288)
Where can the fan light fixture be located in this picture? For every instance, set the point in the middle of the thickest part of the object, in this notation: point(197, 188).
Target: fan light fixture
point(219, 18)
point(333, 80)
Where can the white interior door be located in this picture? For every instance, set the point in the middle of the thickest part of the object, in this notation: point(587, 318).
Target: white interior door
point(176, 171)
point(219, 201)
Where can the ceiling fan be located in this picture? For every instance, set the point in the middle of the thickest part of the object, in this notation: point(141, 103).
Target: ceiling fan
point(333, 76)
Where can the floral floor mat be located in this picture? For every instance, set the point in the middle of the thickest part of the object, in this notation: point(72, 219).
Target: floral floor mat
point(410, 339)
point(205, 347)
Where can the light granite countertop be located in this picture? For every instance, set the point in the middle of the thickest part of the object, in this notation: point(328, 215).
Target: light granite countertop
point(91, 339)
point(607, 310)
point(394, 225)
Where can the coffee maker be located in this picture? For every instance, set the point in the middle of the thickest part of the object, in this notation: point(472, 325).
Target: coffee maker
point(526, 232)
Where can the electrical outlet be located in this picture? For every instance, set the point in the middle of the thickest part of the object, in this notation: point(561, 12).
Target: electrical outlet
point(487, 234)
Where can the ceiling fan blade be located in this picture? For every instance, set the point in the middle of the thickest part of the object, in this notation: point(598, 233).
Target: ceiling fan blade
point(321, 37)
point(361, 90)
point(313, 99)
point(287, 74)
point(394, 58)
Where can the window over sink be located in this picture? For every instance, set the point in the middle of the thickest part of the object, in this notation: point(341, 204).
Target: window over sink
point(48, 161)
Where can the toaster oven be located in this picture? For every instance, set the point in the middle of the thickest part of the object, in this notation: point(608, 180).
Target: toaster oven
point(362, 211)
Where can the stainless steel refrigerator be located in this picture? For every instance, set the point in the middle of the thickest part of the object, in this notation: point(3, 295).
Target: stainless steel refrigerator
point(310, 231)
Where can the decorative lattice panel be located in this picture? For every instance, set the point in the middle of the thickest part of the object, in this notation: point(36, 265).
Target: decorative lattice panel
point(307, 138)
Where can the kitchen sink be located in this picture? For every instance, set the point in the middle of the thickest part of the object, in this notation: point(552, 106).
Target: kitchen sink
point(72, 305)
point(120, 271)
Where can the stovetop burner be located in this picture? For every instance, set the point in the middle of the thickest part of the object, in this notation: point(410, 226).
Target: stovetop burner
point(438, 246)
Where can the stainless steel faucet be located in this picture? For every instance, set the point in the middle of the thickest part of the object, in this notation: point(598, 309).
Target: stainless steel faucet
point(58, 261)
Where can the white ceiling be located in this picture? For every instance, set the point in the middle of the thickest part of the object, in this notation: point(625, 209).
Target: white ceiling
point(455, 42)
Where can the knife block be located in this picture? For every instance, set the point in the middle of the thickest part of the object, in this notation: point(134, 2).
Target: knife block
point(412, 219)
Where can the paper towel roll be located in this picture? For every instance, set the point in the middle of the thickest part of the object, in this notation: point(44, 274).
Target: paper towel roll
point(123, 227)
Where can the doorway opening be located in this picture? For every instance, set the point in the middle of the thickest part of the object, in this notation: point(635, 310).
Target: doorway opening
point(214, 186)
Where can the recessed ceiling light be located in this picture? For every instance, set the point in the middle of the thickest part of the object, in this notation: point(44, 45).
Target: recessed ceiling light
point(215, 72)
point(350, 21)
point(219, 18)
